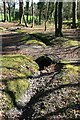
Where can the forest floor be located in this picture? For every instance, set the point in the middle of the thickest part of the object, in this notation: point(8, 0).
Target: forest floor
point(56, 93)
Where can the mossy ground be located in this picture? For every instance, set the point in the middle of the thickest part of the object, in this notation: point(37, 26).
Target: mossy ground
point(70, 73)
point(71, 43)
point(28, 40)
point(15, 69)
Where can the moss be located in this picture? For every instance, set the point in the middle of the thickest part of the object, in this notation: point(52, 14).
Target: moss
point(28, 40)
point(25, 38)
point(35, 42)
point(2, 29)
point(71, 43)
point(15, 69)
point(8, 102)
point(68, 66)
point(19, 86)
point(70, 73)
point(72, 69)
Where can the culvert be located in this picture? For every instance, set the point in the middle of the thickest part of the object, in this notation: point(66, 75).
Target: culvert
point(43, 61)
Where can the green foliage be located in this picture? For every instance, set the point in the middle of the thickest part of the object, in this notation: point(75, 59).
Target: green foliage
point(67, 11)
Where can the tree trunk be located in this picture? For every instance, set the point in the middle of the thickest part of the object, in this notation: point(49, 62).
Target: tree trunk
point(32, 14)
point(24, 20)
point(9, 9)
point(45, 25)
point(20, 11)
point(55, 17)
point(27, 9)
point(40, 17)
point(60, 19)
point(4, 4)
point(14, 11)
point(74, 14)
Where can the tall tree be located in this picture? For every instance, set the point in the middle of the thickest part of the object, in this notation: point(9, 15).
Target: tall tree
point(67, 12)
point(55, 18)
point(13, 11)
point(58, 19)
point(4, 4)
point(40, 8)
point(9, 9)
point(32, 4)
point(74, 14)
point(20, 10)
point(47, 10)
point(27, 9)
point(46, 14)
point(21, 13)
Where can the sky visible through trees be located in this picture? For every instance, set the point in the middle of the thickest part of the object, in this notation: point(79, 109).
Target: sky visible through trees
point(17, 2)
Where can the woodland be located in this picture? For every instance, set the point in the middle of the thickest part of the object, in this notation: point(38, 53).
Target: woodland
point(39, 60)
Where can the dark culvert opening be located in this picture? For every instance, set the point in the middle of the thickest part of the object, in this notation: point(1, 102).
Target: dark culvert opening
point(43, 61)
